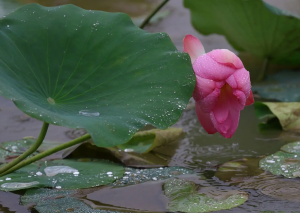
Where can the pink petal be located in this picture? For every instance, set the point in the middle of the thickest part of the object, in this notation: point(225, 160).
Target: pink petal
point(242, 78)
point(227, 58)
point(203, 88)
point(208, 103)
point(204, 119)
point(221, 108)
point(240, 101)
point(250, 99)
point(225, 115)
point(193, 47)
point(229, 126)
point(208, 68)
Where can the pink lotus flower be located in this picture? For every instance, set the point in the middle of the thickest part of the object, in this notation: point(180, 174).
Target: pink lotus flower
point(223, 87)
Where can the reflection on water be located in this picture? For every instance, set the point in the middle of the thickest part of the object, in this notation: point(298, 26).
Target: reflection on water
point(199, 149)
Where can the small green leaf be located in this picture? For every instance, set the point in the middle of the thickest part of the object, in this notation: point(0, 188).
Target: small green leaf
point(145, 141)
point(287, 113)
point(283, 86)
point(66, 174)
point(92, 69)
point(282, 163)
point(183, 197)
point(250, 26)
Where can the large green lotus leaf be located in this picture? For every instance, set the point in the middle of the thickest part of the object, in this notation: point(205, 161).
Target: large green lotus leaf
point(145, 141)
point(183, 197)
point(250, 26)
point(282, 163)
point(67, 174)
point(283, 86)
point(92, 69)
point(288, 113)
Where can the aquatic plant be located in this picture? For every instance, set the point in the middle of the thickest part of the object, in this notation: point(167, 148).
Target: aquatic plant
point(223, 87)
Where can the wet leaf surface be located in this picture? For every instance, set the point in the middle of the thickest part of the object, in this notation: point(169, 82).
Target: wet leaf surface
point(184, 196)
point(65, 174)
point(293, 148)
point(283, 86)
point(145, 141)
point(282, 163)
point(252, 27)
point(47, 200)
point(115, 59)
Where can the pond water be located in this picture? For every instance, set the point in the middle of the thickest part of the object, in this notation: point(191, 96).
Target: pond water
point(196, 150)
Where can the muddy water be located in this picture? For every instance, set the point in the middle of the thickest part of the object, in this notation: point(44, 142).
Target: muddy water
point(197, 150)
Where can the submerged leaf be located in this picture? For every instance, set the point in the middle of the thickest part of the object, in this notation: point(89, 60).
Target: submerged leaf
point(183, 197)
point(145, 141)
point(66, 174)
point(287, 113)
point(237, 171)
point(250, 26)
point(93, 70)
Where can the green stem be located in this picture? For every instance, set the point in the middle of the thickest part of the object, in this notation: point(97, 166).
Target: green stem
point(28, 152)
point(48, 152)
point(263, 70)
point(146, 21)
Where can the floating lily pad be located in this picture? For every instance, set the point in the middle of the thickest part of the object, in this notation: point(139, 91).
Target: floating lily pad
point(250, 26)
point(93, 70)
point(134, 176)
point(49, 201)
point(288, 113)
point(66, 174)
point(183, 197)
point(282, 163)
point(283, 86)
point(145, 141)
point(293, 148)
point(238, 170)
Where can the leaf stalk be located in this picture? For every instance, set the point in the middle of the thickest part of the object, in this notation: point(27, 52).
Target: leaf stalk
point(28, 152)
point(147, 20)
point(47, 153)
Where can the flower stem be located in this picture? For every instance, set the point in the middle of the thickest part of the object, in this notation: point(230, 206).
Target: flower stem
point(28, 152)
point(48, 152)
point(146, 21)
